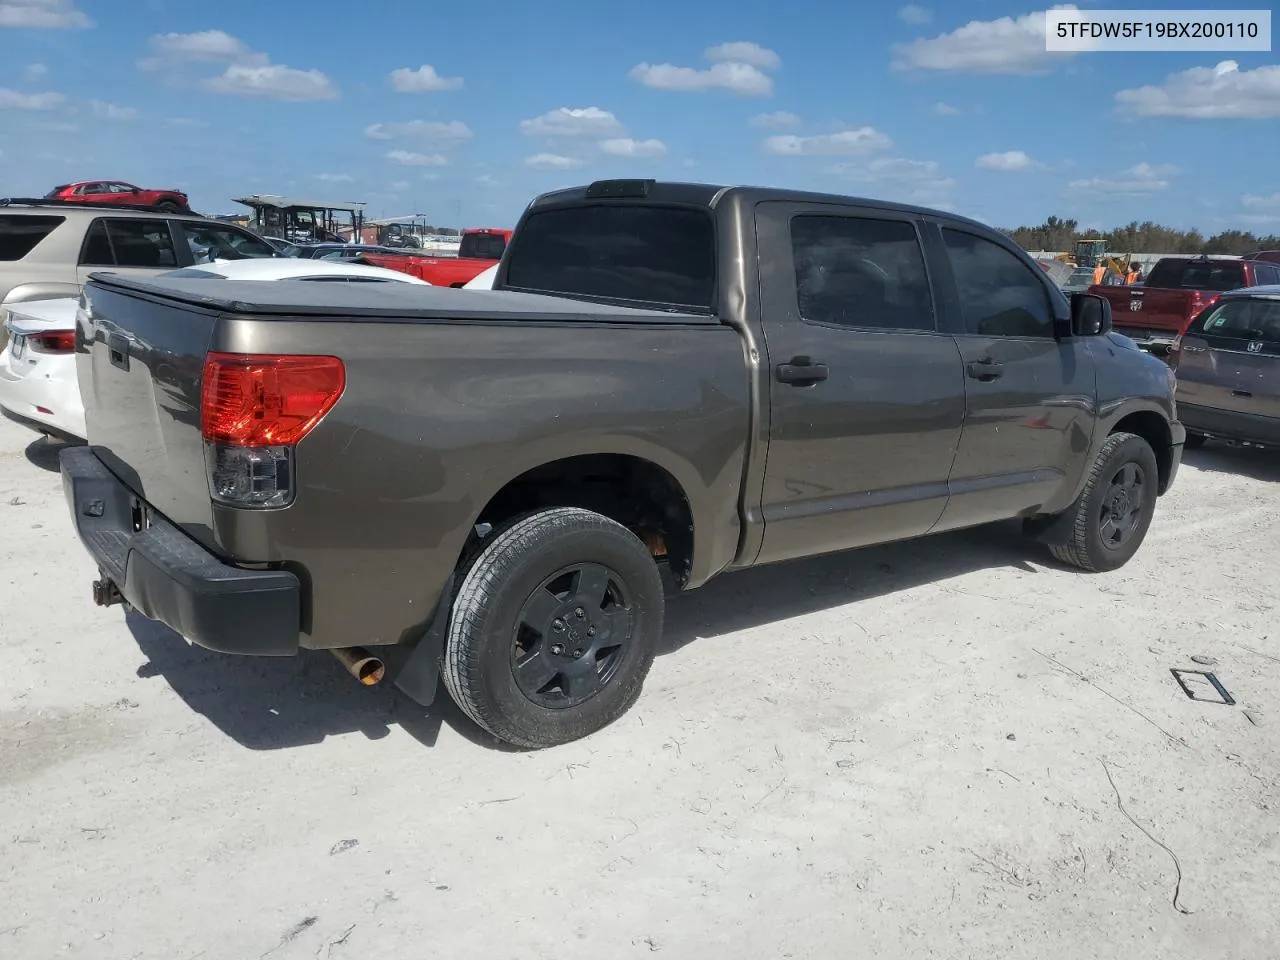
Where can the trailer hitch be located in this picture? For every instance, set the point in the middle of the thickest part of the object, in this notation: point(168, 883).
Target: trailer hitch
point(106, 593)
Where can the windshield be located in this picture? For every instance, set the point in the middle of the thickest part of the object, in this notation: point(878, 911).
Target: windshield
point(622, 253)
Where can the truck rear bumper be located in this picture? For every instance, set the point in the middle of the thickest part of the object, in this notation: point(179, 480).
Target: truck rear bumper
point(167, 576)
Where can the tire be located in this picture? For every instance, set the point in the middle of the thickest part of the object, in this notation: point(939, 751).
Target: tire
point(168, 206)
point(1094, 545)
point(547, 586)
point(1194, 441)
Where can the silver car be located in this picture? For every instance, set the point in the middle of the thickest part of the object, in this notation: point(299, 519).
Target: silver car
point(1228, 369)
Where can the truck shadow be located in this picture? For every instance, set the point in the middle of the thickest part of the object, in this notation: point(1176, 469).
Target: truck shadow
point(277, 703)
point(1257, 463)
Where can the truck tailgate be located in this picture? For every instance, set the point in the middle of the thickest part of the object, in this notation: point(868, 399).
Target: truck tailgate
point(139, 364)
point(1151, 308)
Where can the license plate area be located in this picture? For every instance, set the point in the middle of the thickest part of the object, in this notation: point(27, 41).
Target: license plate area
point(19, 346)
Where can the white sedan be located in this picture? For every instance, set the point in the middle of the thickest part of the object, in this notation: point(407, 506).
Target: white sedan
point(38, 385)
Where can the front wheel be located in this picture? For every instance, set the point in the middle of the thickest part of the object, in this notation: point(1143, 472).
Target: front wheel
point(1111, 516)
point(168, 206)
point(554, 628)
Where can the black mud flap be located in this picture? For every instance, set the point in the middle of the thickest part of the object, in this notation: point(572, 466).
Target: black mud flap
point(419, 674)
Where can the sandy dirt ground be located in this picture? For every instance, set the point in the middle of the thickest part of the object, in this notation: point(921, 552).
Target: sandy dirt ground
point(949, 748)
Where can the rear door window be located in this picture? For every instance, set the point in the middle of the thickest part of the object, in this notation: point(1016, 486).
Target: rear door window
point(20, 234)
point(861, 272)
point(624, 253)
point(119, 242)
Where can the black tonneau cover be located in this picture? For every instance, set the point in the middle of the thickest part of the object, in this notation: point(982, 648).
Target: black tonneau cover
point(404, 302)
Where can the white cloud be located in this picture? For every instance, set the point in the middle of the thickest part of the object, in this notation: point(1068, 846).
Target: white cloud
point(1209, 93)
point(740, 78)
point(111, 111)
point(737, 67)
point(408, 159)
point(335, 177)
point(186, 123)
point(914, 15)
point(945, 109)
point(274, 82)
point(552, 161)
point(1008, 45)
point(427, 131)
point(850, 142)
point(742, 51)
point(13, 100)
point(1261, 203)
point(485, 180)
point(206, 46)
point(1010, 161)
point(1143, 178)
point(34, 72)
point(423, 80)
point(398, 186)
point(780, 118)
point(42, 14)
point(626, 147)
point(573, 122)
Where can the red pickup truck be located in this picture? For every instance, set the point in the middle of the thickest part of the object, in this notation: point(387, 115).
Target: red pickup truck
point(479, 249)
point(1157, 312)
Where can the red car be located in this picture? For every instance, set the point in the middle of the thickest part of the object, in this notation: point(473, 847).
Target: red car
point(117, 191)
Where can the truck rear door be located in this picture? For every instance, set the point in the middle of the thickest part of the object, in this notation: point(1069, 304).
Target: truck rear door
point(866, 394)
point(139, 370)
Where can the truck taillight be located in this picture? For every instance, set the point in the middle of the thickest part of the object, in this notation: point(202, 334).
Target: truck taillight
point(1195, 303)
point(52, 341)
point(254, 409)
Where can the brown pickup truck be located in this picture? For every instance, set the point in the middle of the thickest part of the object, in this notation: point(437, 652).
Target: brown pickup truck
point(1155, 313)
point(668, 382)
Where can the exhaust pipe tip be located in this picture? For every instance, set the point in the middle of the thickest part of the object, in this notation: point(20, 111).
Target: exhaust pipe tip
point(361, 664)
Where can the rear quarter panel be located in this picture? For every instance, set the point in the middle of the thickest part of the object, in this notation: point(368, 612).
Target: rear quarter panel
point(438, 417)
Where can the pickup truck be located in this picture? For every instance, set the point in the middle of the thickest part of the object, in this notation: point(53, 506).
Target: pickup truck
point(669, 381)
point(1157, 312)
point(479, 249)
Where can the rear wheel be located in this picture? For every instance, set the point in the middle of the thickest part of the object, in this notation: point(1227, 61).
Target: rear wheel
point(1111, 516)
point(1194, 441)
point(554, 628)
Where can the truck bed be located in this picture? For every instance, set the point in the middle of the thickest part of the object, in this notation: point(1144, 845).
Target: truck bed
point(449, 394)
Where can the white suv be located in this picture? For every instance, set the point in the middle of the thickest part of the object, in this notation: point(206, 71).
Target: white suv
point(48, 249)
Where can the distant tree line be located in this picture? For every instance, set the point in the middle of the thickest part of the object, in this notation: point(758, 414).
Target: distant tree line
point(1147, 237)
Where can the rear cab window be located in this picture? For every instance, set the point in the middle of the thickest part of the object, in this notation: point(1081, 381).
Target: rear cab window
point(627, 254)
point(1212, 275)
point(21, 233)
point(482, 246)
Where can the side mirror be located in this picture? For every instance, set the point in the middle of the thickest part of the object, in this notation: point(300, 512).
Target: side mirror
point(1090, 315)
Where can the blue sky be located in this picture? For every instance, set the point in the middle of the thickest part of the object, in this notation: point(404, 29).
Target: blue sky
point(464, 111)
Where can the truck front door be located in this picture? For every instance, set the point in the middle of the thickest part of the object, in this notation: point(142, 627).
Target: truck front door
point(866, 396)
point(1030, 398)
